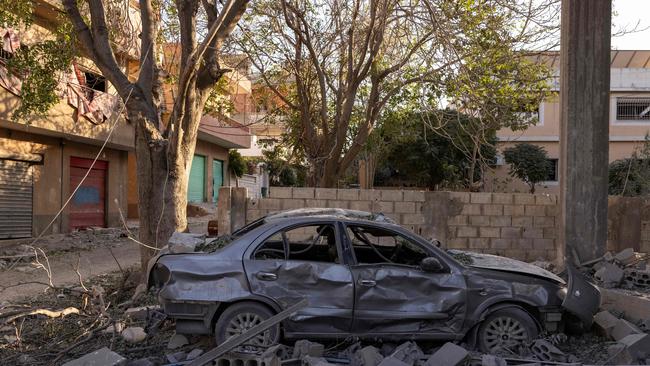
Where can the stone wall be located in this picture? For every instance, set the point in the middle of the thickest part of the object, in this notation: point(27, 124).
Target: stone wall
point(517, 225)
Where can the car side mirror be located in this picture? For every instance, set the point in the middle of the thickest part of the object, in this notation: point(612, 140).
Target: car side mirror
point(431, 264)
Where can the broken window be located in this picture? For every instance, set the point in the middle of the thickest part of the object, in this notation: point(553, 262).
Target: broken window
point(316, 243)
point(373, 245)
point(632, 109)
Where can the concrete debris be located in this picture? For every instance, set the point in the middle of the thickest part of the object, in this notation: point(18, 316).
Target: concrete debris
point(140, 312)
point(491, 360)
point(408, 352)
point(623, 328)
point(546, 351)
point(101, 357)
point(367, 356)
point(194, 354)
point(637, 346)
point(176, 357)
point(134, 334)
point(392, 361)
point(177, 341)
point(304, 348)
point(637, 277)
point(184, 242)
point(449, 355)
point(314, 361)
point(626, 256)
point(611, 275)
point(624, 269)
point(605, 322)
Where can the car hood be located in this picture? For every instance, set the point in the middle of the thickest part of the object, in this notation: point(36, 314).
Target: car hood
point(495, 262)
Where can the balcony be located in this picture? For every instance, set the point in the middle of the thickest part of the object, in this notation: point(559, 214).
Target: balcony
point(224, 132)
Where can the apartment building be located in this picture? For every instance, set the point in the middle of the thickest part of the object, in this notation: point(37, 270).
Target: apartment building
point(629, 120)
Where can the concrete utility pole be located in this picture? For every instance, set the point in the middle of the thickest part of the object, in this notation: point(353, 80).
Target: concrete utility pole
point(584, 137)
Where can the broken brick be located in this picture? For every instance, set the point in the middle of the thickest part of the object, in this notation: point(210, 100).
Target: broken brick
point(448, 355)
point(605, 322)
point(546, 351)
point(623, 328)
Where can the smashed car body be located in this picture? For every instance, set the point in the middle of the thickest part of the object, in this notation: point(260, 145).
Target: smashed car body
point(366, 276)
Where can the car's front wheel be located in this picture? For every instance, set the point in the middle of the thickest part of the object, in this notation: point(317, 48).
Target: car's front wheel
point(240, 317)
point(506, 330)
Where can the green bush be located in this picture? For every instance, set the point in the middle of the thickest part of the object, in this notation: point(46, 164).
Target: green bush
point(529, 163)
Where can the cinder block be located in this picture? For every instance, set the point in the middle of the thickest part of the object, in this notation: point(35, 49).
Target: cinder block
point(347, 194)
point(457, 220)
point(252, 215)
point(543, 243)
point(502, 198)
point(303, 192)
point(361, 205)
point(414, 196)
point(550, 233)
point(369, 195)
point(382, 206)
point(514, 210)
point(392, 195)
point(524, 199)
point(338, 204)
point(532, 233)
point(501, 243)
point(280, 192)
point(535, 210)
point(499, 221)
point(479, 243)
point(605, 322)
point(626, 256)
point(637, 346)
point(479, 220)
point(480, 197)
point(544, 221)
point(457, 243)
point(511, 232)
point(325, 193)
point(292, 203)
point(304, 348)
point(272, 204)
point(489, 232)
point(522, 221)
point(553, 210)
point(315, 203)
point(408, 352)
point(471, 209)
point(413, 219)
point(459, 196)
point(493, 210)
point(545, 199)
point(610, 274)
point(448, 355)
point(522, 243)
point(623, 328)
point(405, 207)
point(466, 232)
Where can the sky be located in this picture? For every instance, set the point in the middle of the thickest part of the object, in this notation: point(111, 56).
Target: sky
point(628, 13)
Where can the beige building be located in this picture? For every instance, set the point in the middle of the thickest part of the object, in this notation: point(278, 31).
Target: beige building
point(629, 120)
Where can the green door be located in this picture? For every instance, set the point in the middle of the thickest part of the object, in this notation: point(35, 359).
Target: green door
point(217, 178)
point(196, 184)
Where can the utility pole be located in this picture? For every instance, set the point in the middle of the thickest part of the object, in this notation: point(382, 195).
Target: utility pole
point(584, 136)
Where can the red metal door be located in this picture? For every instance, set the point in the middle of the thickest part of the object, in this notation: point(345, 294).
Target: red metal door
point(88, 205)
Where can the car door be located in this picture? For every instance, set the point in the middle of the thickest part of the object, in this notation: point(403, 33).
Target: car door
point(393, 296)
point(299, 261)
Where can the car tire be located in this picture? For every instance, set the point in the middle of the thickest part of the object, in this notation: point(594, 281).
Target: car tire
point(506, 330)
point(242, 316)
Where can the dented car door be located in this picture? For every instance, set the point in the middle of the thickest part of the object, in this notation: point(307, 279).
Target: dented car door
point(301, 261)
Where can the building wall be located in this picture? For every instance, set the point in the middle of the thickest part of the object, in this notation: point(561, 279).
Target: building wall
point(211, 152)
point(52, 176)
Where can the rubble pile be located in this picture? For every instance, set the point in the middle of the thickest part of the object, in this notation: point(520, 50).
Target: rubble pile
point(632, 342)
point(625, 269)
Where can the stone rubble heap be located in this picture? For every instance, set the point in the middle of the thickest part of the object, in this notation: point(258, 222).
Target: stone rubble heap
point(632, 345)
point(625, 269)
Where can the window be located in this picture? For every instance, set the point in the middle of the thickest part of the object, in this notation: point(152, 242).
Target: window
point(376, 245)
point(94, 83)
point(316, 243)
point(552, 171)
point(632, 109)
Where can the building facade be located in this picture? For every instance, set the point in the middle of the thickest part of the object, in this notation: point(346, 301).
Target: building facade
point(629, 121)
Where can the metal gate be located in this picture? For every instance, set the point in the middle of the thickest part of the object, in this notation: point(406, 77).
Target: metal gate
point(16, 186)
point(88, 206)
point(196, 183)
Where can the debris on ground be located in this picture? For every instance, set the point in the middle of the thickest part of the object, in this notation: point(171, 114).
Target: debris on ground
point(625, 269)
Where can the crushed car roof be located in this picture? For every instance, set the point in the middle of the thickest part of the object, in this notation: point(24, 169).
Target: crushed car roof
point(337, 213)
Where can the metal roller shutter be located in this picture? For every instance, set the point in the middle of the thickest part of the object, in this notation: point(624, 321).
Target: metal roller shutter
point(16, 186)
point(196, 183)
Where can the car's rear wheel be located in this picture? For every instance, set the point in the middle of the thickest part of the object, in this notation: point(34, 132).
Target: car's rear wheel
point(506, 330)
point(240, 317)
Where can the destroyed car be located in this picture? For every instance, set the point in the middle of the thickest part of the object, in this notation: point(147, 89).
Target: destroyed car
point(363, 275)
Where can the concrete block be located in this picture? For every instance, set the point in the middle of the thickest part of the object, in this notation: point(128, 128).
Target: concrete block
point(457, 243)
point(522, 221)
point(545, 351)
point(303, 192)
point(545, 199)
point(492, 210)
point(471, 209)
point(462, 197)
point(511, 232)
point(448, 355)
point(314, 361)
point(392, 195)
point(514, 210)
point(184, 242)
point(101, 357)
point(502, 198)
point(610, 275)
point(292, 203)
point(535, 210)
point(479, 243)
point(466, 232)
point(637, 346)
point(500, 221)
point(458, 220)
point(524, 199)
point(280, 192)
point(532, 233)
point(479, 220)
point(623, 328)
point(501, 243)
point(407, 352)
point(489, 232)
point(522, 243)
point(480, 197)
point(550, 233)
point(543, 243)
point(405, 207)
point(272, 204)
point(347, 194)
point(605, 322)
point(361, 205)
point(304, 348)
point(552, 210)
point(544, 221)
point(491, 360)
point(616, 301)
point(325, 193)
point(382, 207)
point(413, 219)
point(367, 356)
point(315, 203)
point(338, 204)
point(626, 256)
point(414, 196)
point(369, 195)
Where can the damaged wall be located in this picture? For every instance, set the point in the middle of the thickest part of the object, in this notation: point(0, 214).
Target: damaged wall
point(517, 225)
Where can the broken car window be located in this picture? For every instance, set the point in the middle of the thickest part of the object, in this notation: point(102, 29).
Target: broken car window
point(309, 243)
point(376, 245)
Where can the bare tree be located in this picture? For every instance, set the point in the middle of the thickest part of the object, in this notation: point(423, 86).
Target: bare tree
point(163, 150)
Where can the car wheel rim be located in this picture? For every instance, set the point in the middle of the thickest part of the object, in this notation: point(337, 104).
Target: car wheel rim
point(244, 321)
point(504, 333)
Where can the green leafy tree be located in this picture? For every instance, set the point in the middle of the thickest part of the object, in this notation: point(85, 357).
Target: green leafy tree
point(529, 163)
point(237, 163)
point(631, 176)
